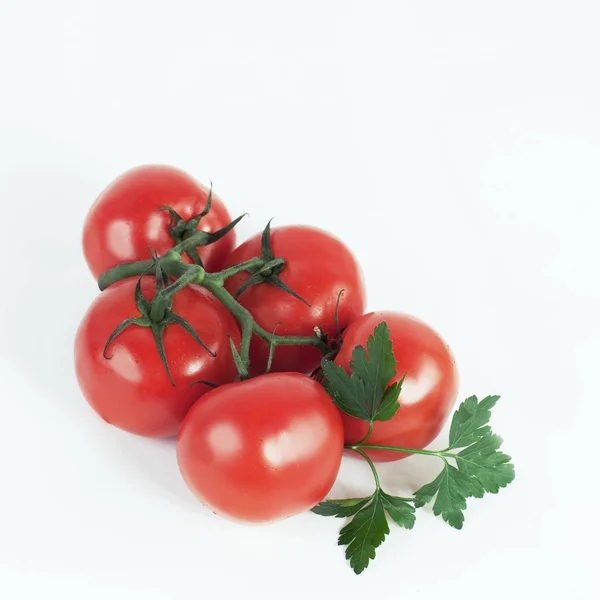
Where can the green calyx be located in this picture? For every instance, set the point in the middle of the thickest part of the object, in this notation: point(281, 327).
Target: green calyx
point(158, 314)
point(268, 271)
point(183, 231)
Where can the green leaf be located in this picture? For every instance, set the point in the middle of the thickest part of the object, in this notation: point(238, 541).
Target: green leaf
point(469, 422)
point(364, 393)
point(369, 526)
point(400, 510)
point(451, 489)
point(485, 463)
point(480, 466)
point(378, 369)
point(347, 391)
point(389, 405)
point(340, 508)
point(365, 533)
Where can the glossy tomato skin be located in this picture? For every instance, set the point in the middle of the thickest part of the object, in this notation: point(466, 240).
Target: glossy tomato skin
point(132, 390)
point(429, 390)
point(125, 221)
point(262, 449)
point(318, 266)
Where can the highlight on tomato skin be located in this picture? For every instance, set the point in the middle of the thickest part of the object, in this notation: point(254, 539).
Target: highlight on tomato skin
point(125, 219)
point(429, 390)
point(263, 449)
point(132, 390)
point(318, 266)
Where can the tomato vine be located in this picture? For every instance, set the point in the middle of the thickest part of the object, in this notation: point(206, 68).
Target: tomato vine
point(266, 266)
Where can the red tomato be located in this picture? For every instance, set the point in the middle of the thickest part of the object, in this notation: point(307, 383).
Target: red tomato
point(125, 221)
point(262, 449)
point(317, 267)
point(429, 390)
point(132, 390)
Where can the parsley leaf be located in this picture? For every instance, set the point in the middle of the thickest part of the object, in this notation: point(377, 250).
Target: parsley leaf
point(364, 533)
point(340, 508)
point(485, 463)
point(365, 393)
point(469, 422)
point(400, 510)
point(347, 391)
point(369, 526)
point(480, 466)
point(451, 489)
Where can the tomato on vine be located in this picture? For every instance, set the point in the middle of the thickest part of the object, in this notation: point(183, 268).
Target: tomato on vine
point(429, 388)
point(126, 381)
point(262, 449)
point(297, 297)
point(155, 206)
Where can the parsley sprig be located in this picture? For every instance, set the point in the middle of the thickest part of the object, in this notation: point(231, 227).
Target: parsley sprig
point(365, 393)
point(473, 464)
point(369, 526)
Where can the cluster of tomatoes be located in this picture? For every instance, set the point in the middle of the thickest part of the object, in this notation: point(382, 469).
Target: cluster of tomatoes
point(255, 448)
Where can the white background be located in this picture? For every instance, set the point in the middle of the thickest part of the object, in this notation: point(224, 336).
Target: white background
point(455, 146)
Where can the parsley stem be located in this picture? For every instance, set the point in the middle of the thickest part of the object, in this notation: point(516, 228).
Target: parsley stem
point(370, 463)
point(369, 432)
point(443, 454)
point(362, 446)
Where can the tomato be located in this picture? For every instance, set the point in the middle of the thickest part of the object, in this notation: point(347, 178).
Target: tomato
point(125, 221)
point(132, 390)
point(318, 266)
point(262, 449)
point(429, 390)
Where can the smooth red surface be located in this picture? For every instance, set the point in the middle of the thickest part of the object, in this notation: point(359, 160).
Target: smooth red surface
point(317, 267)
point(429, 389)
point(263, 449)
point(132, 390)
point(125, 221)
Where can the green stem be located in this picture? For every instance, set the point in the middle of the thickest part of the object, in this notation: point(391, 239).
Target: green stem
point(366, 436)
point(191, 274)
point(135, 269)
point(220, 277)
point(213, 284)
point(190, 243)
point(124, 271)
point(362, 446)
point(370, 463)
point(290, 340)
point(246, 322)
point(186, 274)
point(171, 263)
